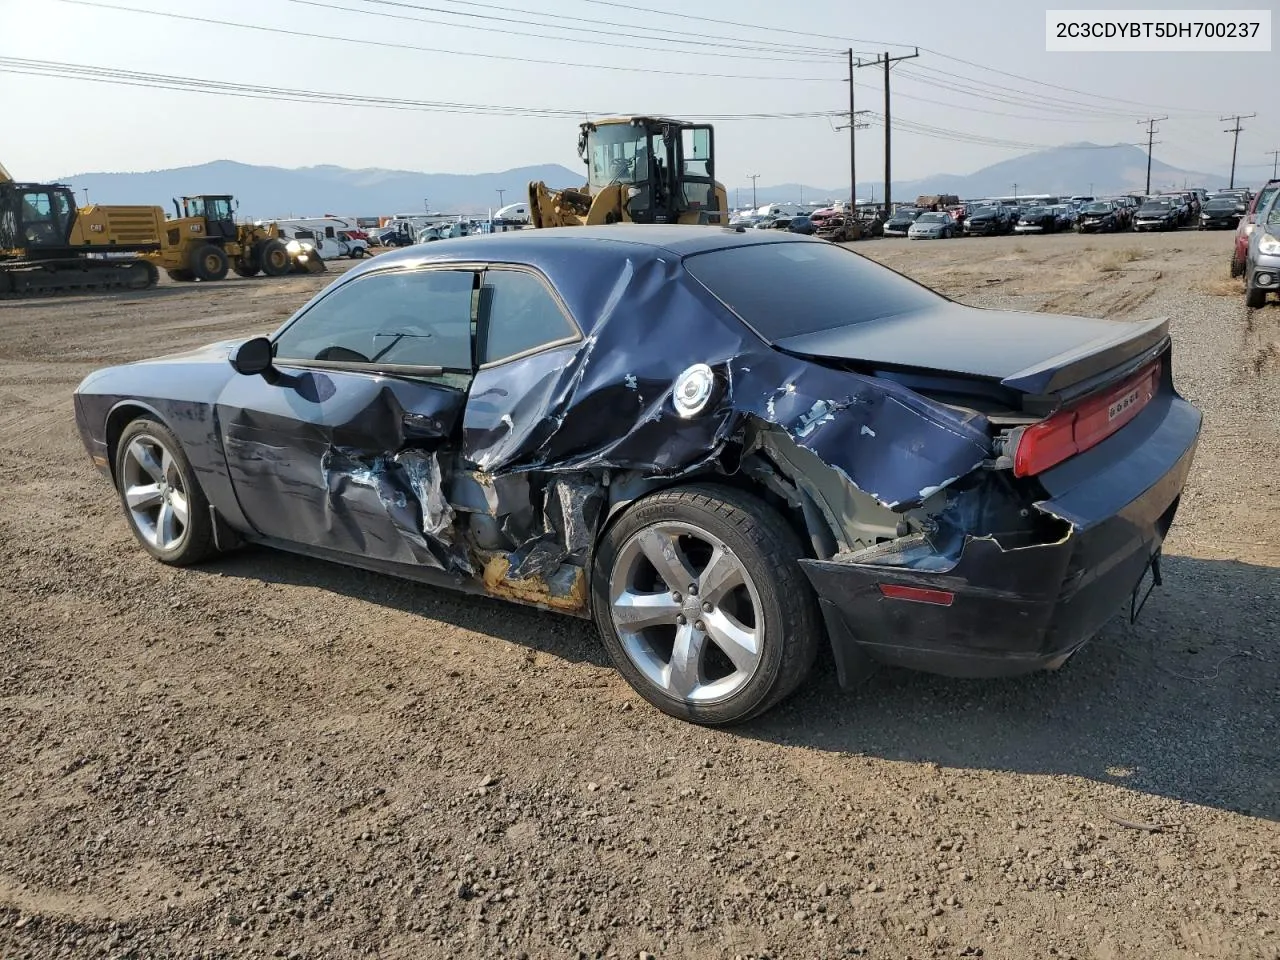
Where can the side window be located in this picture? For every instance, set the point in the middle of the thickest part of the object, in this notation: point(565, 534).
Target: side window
point(408, 318)
point(518, 314)
point(697, 151)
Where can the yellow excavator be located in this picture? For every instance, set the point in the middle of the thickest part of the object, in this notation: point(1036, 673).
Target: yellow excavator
point(639, 170)
point(47, 245)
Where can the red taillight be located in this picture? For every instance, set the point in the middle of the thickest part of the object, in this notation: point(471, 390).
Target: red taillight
point(1073, 431)
point(942, 598)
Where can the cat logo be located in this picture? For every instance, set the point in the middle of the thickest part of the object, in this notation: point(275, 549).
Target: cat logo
point(196, 227)
point(97, 228)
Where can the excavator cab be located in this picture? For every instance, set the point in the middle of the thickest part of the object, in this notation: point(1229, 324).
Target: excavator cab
point(36, 216)
point(665, 169)
point(218, 213)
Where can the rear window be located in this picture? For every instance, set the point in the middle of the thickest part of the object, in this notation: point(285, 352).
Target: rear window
point(790, 289)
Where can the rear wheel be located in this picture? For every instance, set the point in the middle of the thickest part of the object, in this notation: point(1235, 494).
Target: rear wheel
point(243, 268)
point(1237, 268)
point(702, 606)
point(209, 263)
point(273, 255)
point(162, 499)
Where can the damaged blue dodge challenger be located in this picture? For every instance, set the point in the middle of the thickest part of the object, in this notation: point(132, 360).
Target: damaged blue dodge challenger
point(726, 447)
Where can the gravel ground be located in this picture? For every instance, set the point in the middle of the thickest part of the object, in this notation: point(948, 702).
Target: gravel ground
point(274, 757)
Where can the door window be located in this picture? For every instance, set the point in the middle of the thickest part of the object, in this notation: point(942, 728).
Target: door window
point(418, 318)
point(519, 314)
point(697, 151)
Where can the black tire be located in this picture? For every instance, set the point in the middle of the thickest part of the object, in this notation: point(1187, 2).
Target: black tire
point(1237, 268)
point(1254, 298)
point(195, 542)
point(244, 268)
point(357, 253)
point(180, 276)
point(273, 256)
point(787, 622)
point(209, 263)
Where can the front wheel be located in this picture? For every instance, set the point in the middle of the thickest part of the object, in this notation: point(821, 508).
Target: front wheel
point(702, 606)
point(210, 263)
point(162, 499)
point(273, 257)
point(1254, 298)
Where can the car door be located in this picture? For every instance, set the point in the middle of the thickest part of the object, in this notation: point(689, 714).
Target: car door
point(339, 446)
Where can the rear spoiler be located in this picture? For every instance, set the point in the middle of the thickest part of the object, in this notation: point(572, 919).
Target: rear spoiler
point(1082, 370)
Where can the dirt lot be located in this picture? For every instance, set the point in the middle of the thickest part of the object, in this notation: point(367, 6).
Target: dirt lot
point(272, 757)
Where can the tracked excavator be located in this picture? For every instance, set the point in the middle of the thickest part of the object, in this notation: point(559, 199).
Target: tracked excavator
point(639, 170)
point(47, 245)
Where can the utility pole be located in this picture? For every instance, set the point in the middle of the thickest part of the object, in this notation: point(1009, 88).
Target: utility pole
point(501, 191)
point(1015, 192)
point(1235, 141)
point(853, 148)
point(753, 177)
point(887, 62)
point(425, 207)
point(1151, 132)
point(86, 195)
point(1275, 162)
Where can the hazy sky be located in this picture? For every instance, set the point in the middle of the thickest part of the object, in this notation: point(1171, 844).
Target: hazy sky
point(56, 127)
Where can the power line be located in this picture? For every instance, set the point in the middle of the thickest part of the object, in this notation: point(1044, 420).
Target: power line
point(844, 41)
point(808, 56)
point(1235, 140)
point(664, 30)
point(113, 75)
point(1043, 83)
point(965, 87)
point(393, 45)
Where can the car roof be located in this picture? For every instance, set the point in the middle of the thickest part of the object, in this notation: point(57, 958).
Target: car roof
point(532, 245)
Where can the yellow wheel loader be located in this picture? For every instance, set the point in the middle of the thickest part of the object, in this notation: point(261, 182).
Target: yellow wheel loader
point(203, 242)
point(639, 170)
point(48, 246)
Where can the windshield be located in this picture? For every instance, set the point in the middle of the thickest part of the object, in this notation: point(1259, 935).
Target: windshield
point(905, 215)
point(791, 289)
point(1221, 203)
point(1156, 207)
point(1264, 197)
point(932, 218)
point(1035, 211)
point(621, 153)
point(1097, 208)
point(985, 212)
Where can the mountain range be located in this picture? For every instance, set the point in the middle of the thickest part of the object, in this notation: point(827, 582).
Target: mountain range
point(277, 192)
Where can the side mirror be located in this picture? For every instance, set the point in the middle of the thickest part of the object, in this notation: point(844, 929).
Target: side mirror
point(253, 357)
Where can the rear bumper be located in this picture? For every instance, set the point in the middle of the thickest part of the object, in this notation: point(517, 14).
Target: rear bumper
point(1020, 610)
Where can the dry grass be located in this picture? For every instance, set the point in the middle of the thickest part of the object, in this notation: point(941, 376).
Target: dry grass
point(1109, 261)
point(1219, 285)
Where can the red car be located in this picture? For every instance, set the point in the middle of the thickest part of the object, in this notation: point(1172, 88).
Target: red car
point(1259, 201)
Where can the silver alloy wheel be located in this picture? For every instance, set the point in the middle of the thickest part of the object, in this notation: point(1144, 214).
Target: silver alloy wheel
point(154, 493)
point(686, 612)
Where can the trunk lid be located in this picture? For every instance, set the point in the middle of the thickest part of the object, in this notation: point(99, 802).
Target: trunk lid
point(1047, 358)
